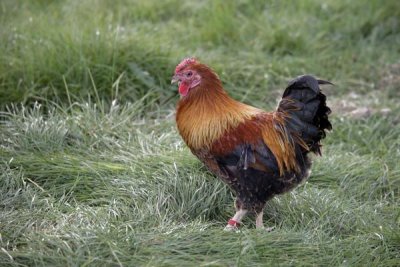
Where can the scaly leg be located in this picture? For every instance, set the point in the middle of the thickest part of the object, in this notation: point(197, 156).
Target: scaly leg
point(234, 223)
point(259, 222)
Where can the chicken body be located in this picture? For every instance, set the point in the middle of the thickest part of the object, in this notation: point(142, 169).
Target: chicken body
point(258, 154)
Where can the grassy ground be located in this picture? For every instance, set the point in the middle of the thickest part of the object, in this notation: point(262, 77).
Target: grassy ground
point(94, 174)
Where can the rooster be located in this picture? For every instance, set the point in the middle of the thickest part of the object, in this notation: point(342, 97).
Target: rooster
point(258, 154)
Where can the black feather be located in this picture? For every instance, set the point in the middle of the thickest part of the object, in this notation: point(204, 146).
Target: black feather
point(253, 173)
point(307, 111)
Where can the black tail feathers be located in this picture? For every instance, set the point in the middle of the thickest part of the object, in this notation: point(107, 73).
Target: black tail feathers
point(306, 109)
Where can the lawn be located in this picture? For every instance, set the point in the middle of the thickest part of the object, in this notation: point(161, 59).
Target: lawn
point(94, 173)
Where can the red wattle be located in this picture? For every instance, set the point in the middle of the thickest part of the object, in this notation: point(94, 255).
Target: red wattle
point(183, 89)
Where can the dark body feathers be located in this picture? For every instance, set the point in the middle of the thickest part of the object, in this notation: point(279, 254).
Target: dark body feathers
point(253, 173)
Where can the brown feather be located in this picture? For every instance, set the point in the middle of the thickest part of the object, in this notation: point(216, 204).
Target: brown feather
point(280, 142)
point(209, 119)
point(269, 127)
point(208, 112)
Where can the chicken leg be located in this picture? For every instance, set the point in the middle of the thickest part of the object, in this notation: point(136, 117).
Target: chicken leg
point(260, 224)
point(236, 220)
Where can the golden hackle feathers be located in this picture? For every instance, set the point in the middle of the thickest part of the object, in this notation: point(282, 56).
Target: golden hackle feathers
point(203, 121)
point(207, 112)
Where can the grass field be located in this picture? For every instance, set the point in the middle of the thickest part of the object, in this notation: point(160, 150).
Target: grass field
point(93, 172)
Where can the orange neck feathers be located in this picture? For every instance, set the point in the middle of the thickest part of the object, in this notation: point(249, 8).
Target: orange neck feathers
point(207, 112)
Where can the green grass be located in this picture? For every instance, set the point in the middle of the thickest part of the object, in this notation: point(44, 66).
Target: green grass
point(93, 172)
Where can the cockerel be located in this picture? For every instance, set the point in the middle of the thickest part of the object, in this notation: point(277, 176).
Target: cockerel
point(258, 154)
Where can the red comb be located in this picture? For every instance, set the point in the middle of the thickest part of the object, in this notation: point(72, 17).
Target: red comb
point(184, 63)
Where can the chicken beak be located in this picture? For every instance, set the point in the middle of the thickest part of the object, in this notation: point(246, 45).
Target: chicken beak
point(175, 79)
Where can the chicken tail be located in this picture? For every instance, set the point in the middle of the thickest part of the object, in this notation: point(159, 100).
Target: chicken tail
point(306, 112)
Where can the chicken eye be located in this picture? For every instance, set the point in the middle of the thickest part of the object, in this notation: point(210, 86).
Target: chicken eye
point(189, 74)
